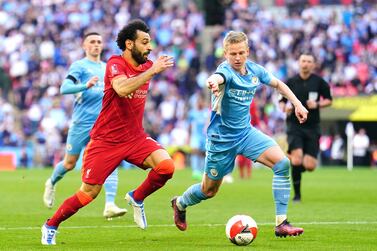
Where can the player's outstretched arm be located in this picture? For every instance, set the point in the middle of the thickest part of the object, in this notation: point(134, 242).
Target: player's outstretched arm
point(300, 111)
point(213, 83)
point(124, 86)
point(70, 85)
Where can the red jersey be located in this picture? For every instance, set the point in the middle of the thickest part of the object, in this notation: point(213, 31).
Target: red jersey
point(121, 118)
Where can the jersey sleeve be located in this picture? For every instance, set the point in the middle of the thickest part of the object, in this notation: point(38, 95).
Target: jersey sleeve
point(75, 73)
point(224, 72)
point(115, 68)
point(73, 81)
point(264, 76)
point(325, 90)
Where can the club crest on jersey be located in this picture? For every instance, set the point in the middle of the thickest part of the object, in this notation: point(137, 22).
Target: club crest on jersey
point(114, 69)
point(69, 147)
point(213, 172)
point(254, 80)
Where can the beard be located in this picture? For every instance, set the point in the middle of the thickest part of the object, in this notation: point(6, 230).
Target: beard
point(138, 56)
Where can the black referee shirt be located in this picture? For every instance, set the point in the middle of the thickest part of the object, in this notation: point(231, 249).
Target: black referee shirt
point(312, 88)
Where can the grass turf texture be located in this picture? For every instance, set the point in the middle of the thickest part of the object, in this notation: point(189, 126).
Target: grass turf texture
point(338, 212)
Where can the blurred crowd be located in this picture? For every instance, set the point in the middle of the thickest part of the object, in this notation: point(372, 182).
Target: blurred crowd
point(333, 149)
point(39, 39)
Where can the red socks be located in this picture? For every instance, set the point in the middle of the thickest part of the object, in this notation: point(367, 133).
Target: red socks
point(69, 207)
point(156, 179)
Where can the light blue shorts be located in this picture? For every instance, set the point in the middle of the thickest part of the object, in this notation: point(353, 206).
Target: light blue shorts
point(221, 156)
point(78, 138)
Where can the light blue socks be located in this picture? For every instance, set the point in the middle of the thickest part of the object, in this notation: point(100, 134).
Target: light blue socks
point(111, 186)
point(192, 196)
point(58, 173)
point(281, 186)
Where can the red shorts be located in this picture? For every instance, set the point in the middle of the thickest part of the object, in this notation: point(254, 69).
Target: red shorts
point(101, 157)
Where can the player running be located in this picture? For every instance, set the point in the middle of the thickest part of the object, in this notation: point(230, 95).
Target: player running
point(85, 80)
point(118, 133)
point(229, 133)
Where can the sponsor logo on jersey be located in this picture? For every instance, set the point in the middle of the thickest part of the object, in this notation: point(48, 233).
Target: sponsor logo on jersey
point(242, 95)
point(114, 69)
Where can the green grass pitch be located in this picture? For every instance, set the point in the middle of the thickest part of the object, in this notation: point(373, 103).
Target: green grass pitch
point(338, 212)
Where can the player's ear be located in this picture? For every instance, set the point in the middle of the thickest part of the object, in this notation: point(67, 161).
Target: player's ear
point(83, 45)
point(129, 44)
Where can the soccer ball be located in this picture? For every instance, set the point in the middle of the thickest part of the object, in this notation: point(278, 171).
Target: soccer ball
point(241, 230)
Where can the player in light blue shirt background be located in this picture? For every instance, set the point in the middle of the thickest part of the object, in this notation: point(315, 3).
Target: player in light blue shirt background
point(85, 80)
point(230, 133)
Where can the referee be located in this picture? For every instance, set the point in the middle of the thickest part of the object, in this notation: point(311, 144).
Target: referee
point(303, 139)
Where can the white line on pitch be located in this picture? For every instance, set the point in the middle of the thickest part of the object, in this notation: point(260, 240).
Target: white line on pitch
point(198, 225)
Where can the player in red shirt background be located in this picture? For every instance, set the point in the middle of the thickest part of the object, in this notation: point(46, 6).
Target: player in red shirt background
point(118, 133)
point(243, 163)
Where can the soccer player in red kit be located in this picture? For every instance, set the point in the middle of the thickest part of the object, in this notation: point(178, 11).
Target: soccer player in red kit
point(118, 133)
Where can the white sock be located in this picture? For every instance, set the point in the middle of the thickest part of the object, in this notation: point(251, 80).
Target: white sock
point(109, 204)
point(279, 219)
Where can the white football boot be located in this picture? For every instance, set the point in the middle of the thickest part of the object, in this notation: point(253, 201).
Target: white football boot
point(49, 194)
point(112, 211)
point(48, 235)
point(139, 214)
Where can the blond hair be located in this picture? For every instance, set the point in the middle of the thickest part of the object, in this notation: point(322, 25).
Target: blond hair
point(235, 37)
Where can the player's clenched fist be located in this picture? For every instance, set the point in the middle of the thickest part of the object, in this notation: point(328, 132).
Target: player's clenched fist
point(301, 113)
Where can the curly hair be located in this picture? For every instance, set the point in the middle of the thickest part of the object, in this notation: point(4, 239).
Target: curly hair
point(129, 32)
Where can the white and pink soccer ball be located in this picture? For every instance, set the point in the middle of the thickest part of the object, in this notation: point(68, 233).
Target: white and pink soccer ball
point(241, 230)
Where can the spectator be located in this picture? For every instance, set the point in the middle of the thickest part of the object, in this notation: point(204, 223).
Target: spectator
point(360, 148)
point(337, 150)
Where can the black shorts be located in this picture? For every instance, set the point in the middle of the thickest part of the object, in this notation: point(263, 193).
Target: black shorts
point(305, 138)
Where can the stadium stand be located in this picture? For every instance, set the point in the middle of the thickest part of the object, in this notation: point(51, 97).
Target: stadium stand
point(39, 39)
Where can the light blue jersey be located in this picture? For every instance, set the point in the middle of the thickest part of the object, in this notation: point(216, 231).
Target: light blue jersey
point(88, 102)
point(198, 121)
point(230, 132)
point(230, 117)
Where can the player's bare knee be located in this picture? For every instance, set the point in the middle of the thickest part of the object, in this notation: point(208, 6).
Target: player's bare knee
point(91, 190)
point(296, 158)
point(296, 161)
point(69, 164)
point(210, 193)
point(309, 164)
point(310, 168)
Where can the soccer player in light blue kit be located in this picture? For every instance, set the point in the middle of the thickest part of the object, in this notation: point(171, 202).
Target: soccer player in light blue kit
point(85, 80)
point(233, 86)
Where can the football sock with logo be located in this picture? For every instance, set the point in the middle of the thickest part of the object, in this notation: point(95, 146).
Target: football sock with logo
point(69, 207)
point(296, 179)
point(111, 186)
point(157, 177)
point(281, 186)
point(58, 173)
point(192, 196)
